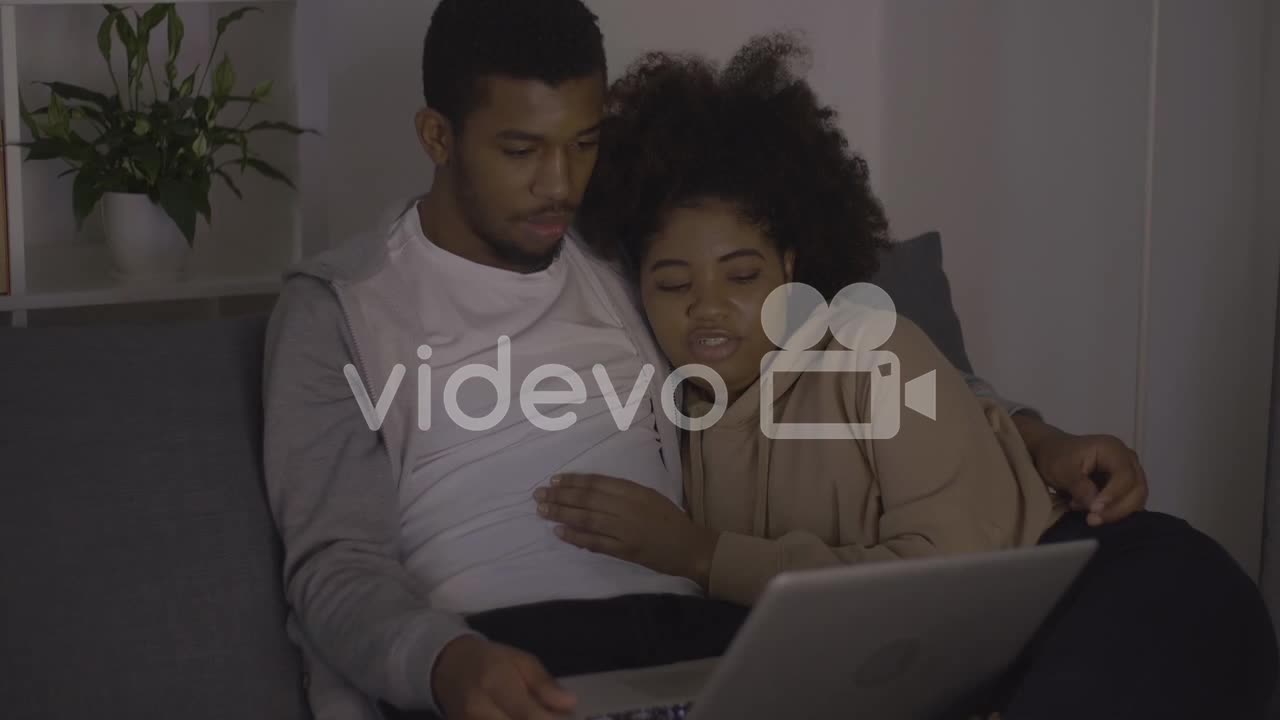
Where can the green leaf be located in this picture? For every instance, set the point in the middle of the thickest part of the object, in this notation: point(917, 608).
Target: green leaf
point(89, 112)
point(269, 171)
point(234, 17)
point(224, 78)
point(201, 146)
point(75, 92)
point(78, 149)
point(262, 91)
point(177, 201)
point(127, 35)
point(131, 50)
point(85, 193)
point(279, 126)
point(188, 85)
point(230, 183)
point(200, 197)
point(177, 30)
point(104, 36)
point(147, 160)
point(221, 135)
point(117, 139)
point(45, 149)
point(180, 107)
point(146, 24)
point(183, 129)
point(153, 18)
point(141, 127)
point(59, 118)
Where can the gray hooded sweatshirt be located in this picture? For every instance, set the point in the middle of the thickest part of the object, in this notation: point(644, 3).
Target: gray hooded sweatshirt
point(362, 621)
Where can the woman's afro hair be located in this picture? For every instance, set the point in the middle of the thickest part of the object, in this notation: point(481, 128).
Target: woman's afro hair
point(679, 131)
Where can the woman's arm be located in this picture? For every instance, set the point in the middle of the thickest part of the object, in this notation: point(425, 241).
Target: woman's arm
point(959, 481)
point(741, 566)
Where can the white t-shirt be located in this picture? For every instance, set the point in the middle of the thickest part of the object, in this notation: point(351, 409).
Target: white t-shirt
point(469, 523)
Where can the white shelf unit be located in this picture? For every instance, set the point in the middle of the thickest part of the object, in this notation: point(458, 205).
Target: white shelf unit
point(250, 242)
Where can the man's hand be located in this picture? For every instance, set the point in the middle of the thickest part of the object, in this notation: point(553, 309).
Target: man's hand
point(629, 521)
point(1100, 473)
point(475, 679)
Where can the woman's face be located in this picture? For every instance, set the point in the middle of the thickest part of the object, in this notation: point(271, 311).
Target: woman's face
point(703, 282)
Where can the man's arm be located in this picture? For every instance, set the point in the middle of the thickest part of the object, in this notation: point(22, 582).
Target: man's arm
point(333, 498)
point(1099, 472)
point(1031, 425)
point(983, 389)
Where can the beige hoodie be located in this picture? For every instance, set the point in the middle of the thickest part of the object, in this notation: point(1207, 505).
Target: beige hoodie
point(961, 483)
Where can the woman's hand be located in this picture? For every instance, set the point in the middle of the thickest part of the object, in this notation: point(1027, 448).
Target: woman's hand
point(628, 521)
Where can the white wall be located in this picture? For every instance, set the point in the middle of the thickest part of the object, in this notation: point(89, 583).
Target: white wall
point(1030, 134)
point(375, 88)
point(375, 81)
point(1024, 130)
point(1026, 150)
point(311, 46)
point(1213, 275)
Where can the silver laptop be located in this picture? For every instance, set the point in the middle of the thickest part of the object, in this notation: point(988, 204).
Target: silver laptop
point(886, 640)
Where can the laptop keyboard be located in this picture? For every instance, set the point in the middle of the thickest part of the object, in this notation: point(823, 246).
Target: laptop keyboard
point(667, 712)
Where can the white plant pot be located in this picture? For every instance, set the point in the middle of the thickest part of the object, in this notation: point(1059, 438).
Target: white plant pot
point(145, 243)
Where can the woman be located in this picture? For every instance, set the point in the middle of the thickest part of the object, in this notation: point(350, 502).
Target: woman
point(719, 187)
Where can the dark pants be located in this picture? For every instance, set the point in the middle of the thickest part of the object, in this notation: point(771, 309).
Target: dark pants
point(583, 636)
point(1161, 624)
point(574, 637)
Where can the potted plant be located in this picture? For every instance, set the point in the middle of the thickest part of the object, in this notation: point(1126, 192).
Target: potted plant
point(148, 153)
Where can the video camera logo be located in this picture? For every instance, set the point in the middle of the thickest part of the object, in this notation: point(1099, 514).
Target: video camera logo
point(861, 317)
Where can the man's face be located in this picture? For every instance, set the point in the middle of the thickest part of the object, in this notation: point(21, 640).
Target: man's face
point(522, 163)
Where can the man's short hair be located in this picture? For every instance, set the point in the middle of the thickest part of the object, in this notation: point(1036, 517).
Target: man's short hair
point(547, 40)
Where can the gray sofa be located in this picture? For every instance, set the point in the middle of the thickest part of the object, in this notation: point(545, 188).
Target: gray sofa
point(140, 564)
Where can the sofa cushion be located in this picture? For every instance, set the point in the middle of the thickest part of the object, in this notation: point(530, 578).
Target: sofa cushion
point(141, 566)
point(911, 272)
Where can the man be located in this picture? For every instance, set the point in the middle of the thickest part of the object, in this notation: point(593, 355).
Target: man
point(404, 548)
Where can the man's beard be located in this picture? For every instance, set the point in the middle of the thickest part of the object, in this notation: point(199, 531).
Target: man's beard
point(517, 257)
point(507, 251)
